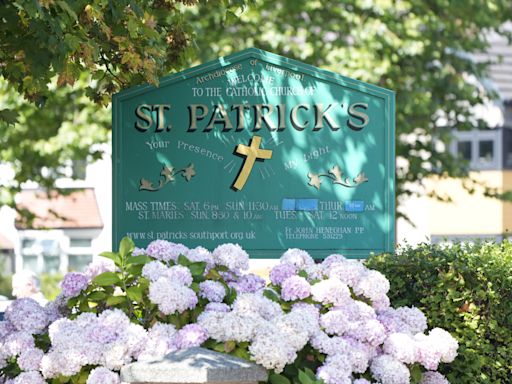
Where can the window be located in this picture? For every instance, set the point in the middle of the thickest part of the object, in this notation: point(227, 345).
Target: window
point(30, 263)
point(77, 242)
point(78, 262)
point(27, 243)
point(51, 264)
point(464, 150)
point(50, 247)
point(485, 151)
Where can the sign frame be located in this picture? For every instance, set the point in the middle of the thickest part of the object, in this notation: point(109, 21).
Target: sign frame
point(388, 97)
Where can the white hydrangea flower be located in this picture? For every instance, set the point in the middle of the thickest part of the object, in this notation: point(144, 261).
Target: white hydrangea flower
point(331, 291)
point(402, 347)
point(171, 296)
point(388, 370)
point(297, 257)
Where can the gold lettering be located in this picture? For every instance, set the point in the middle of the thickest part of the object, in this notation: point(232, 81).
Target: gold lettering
point(161, 116)
point(320, 115)
point(260, 116)
point(140, 113)
point(240, 121)
point(293, 117)
point(194, 116)
point(353, 112)
point(281, 111)
point(222, 119)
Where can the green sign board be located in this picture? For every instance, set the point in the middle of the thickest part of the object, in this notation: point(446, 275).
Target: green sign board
point(259, 150)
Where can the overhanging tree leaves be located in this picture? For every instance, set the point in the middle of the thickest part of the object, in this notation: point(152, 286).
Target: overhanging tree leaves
point(421, 49)
point(58, 58)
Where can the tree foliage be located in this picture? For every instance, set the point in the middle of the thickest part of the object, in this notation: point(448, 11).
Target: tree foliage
point(419, 48)
point(60, 62)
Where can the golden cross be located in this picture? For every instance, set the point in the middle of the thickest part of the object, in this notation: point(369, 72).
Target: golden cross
point(251, 154)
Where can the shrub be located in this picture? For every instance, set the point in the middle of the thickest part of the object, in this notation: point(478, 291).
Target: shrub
point(465, 289)
point(50, 285)
point(313, 324)
point(6, 286)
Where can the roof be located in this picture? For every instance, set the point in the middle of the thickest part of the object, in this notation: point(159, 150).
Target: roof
point(5, 243)
point(70, 208)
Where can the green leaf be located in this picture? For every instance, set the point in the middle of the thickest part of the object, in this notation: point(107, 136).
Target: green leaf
point(303, 274)
point(135, 270)
point(310, 373)
point(195, 287)
point(197, 269)
point(242, 353)
point(114, 256)
point(270, 294)
point(231, 18)
point(64, 5)
point(97, 296)
point(134, 293)
point(126, 246)
point(138, 260)
point(276, 378)
point(213, 275)
point(9, 116)
point(106, 278)
point(230, 297)
point(304, 378)
point(182, 260)
point(416, 373)
point(114, 300)
point(109, 255)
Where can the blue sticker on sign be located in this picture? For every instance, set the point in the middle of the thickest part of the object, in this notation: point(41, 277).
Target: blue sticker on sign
point(354, 206)
point(306, 205)
point(299, 205)
point(288, 205)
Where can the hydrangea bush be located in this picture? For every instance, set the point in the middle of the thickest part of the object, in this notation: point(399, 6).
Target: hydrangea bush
point(312, 323)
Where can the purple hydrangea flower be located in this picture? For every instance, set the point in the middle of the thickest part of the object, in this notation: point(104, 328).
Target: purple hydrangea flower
point(295, 288)
point(74, 283)
point(281, 272)
point(154, 270)
point(171, 296)
point(231, 256)
point(212, 291)
point(249, 283)
point(30, 359)
point(31, 377)
point(201, 254)
point(433, 378)
point(138, 251)
point(17, 342)
point(165, 250)
point(27, 315)
point(217, 307)
point(180, 274)
point(191, 335)
point(333, 259)
point(102, 375)
point(6, 328)
point(98, 267)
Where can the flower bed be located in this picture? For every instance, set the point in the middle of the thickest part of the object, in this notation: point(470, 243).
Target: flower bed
point(312, 323)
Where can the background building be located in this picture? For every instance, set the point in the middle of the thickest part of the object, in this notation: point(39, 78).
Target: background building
point(470, 214)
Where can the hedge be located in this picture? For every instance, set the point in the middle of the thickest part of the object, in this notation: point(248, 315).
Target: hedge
point(465, 289)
